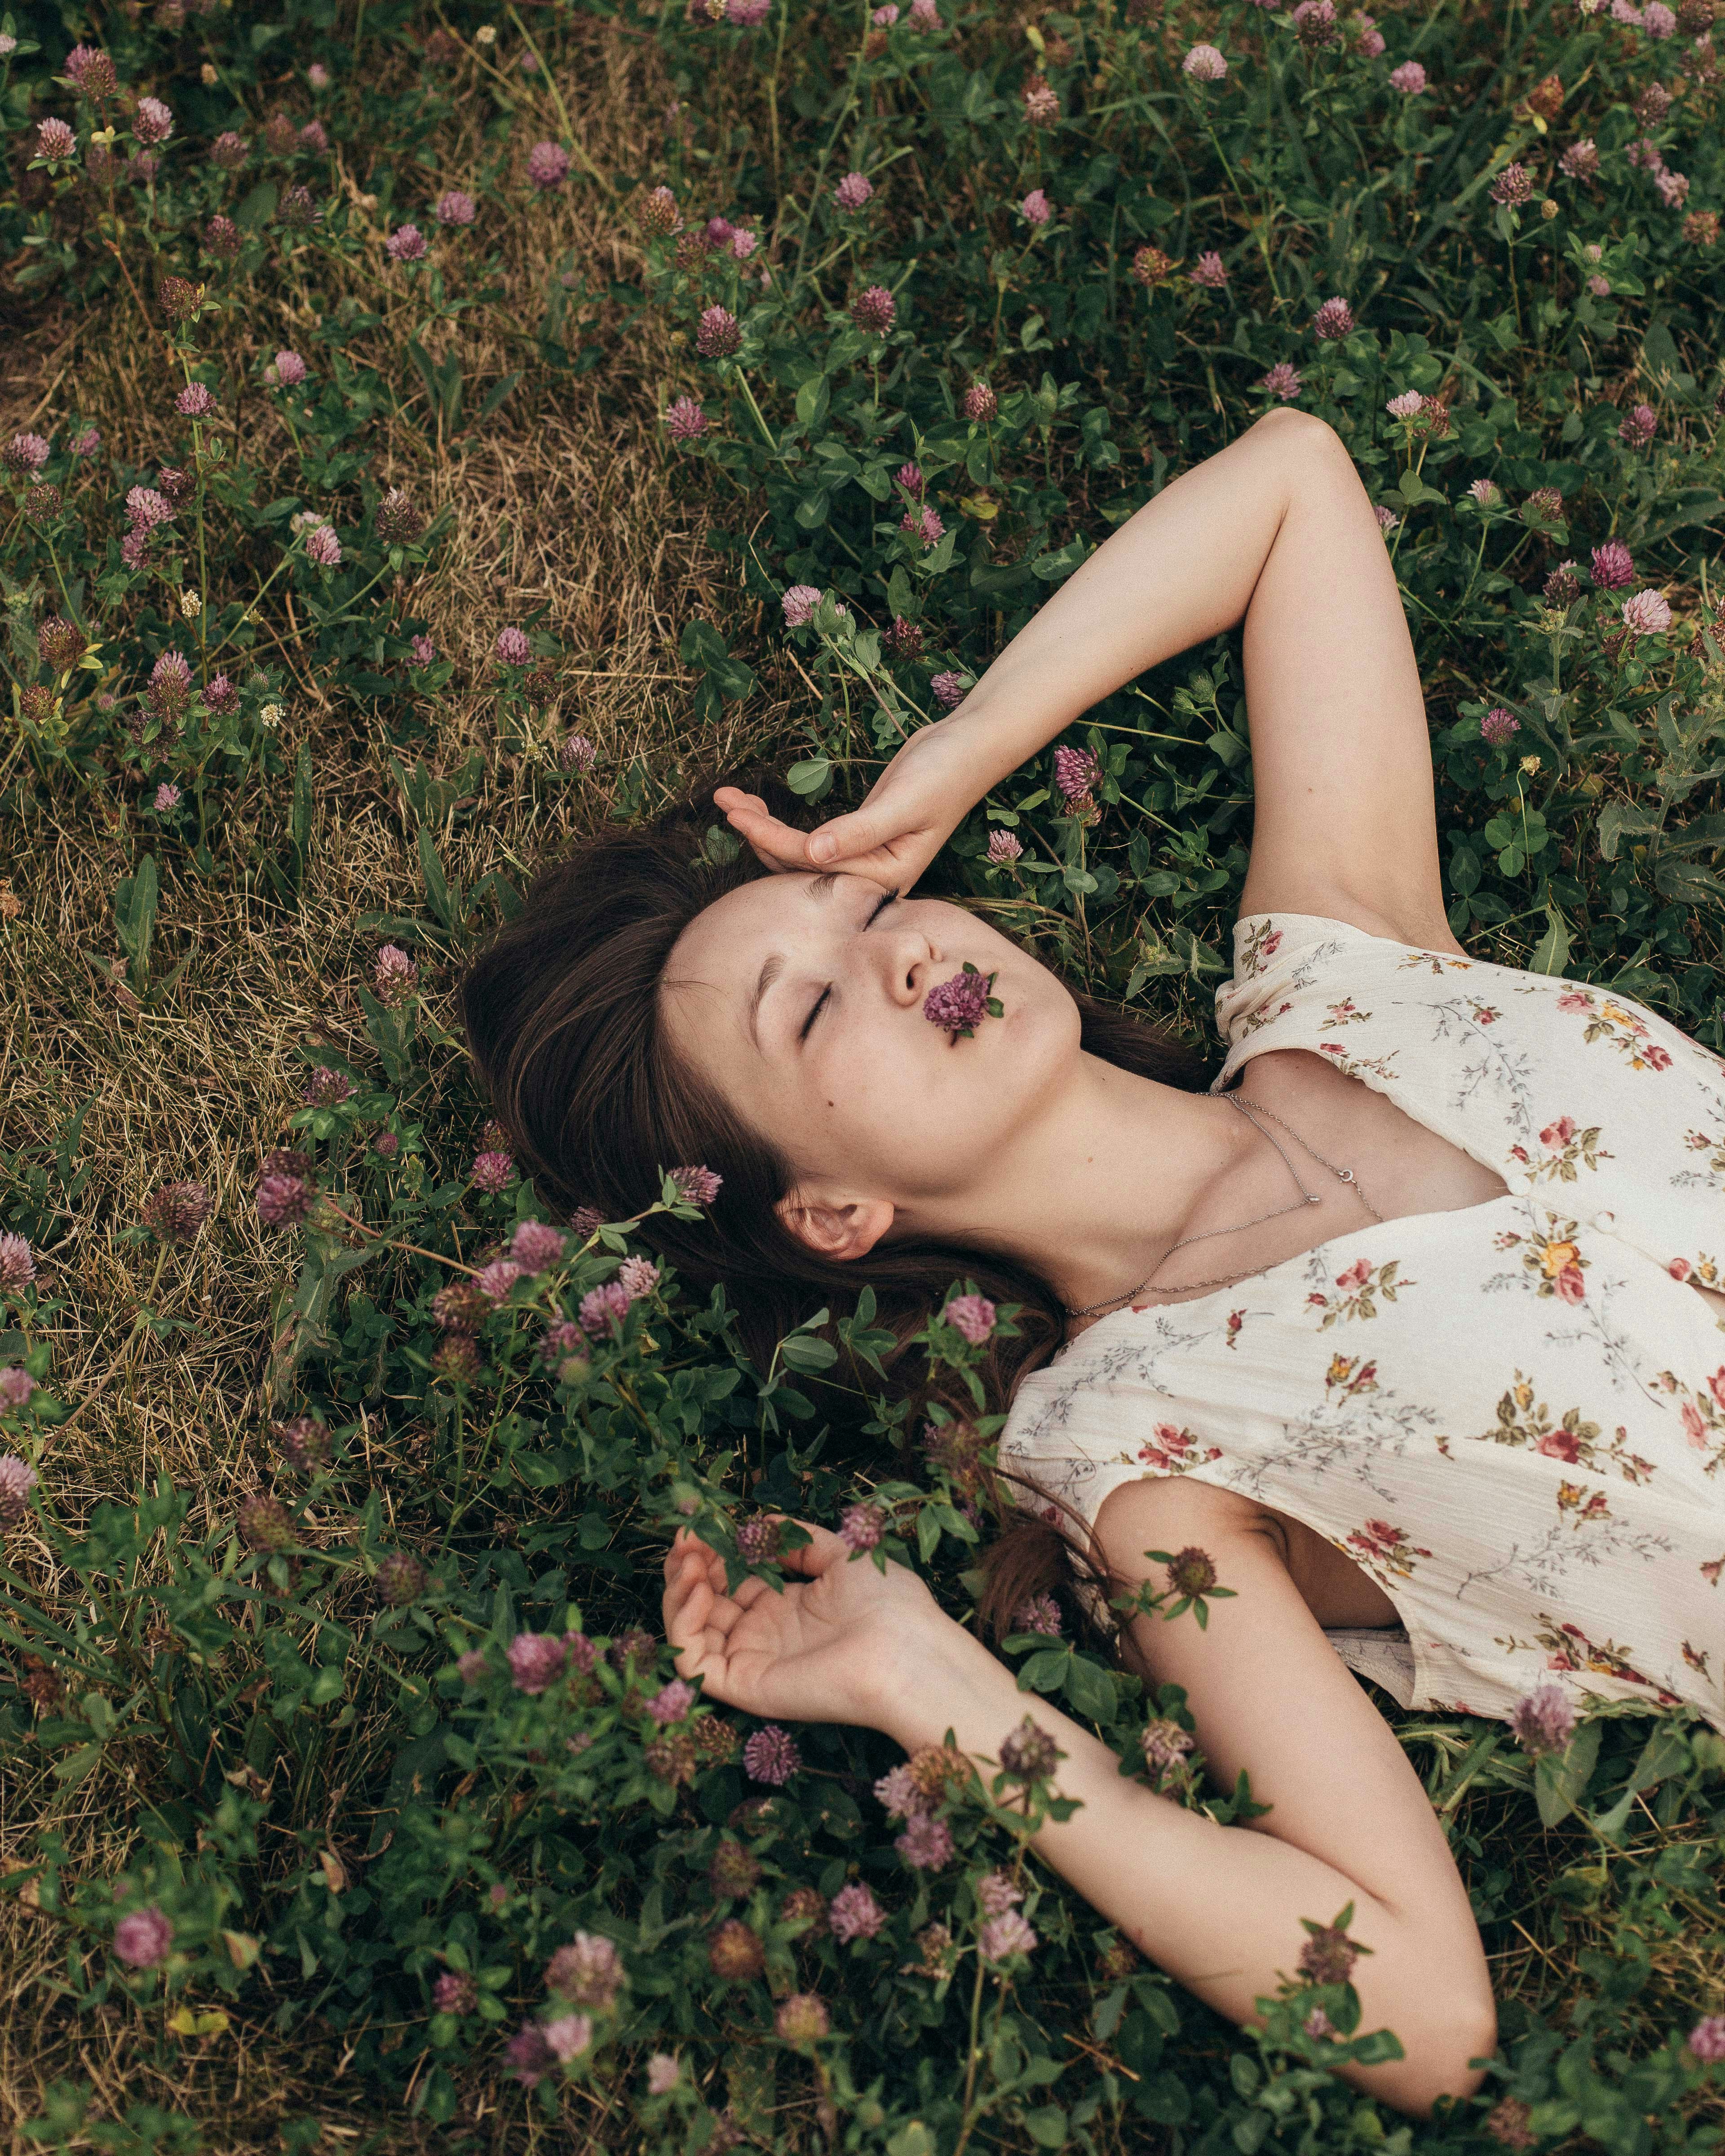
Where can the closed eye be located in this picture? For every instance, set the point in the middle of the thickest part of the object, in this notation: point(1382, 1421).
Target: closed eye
point(875, 910)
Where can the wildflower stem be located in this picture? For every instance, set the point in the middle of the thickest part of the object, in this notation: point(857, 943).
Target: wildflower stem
point(742, 384)
point(558, 99)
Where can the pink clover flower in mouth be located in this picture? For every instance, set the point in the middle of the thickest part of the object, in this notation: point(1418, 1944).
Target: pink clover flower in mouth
point(961, 1003)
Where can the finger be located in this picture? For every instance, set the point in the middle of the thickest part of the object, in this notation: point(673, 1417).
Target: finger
point(843, 838)
point(778, 843)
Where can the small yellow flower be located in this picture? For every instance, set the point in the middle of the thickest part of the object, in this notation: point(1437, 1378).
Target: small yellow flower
point(1554, 1256)
point(1530, 764)
point(1524, 1396)
point(487, 35)
point(1340, 1370)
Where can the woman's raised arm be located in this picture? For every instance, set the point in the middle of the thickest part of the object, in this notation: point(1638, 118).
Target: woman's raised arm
point(1275, 529)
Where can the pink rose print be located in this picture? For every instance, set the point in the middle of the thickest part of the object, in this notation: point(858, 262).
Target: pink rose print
point(1655, 1057)
point(1575, 1002)
point(1357, 1274)
point(1175, 1449)
point(1570, 1285)
point(1716, 1386)
point(1558, 1133)
point(1560, 1444)
point(1520, 1153)
point(1694, 1429)
point(1679, 1269)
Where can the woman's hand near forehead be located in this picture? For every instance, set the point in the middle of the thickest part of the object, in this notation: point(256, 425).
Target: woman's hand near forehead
point(912, 811)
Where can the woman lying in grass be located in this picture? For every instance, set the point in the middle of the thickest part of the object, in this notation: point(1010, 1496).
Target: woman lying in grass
point(1407, 1331)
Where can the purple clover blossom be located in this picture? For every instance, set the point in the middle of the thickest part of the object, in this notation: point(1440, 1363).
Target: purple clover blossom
point(26, 453)
point(1205, 64)
point(424, 651)
point(854, 1913)
point(18, 1479)
point(494, 1280)
point(1639, 427)
point(1282, 381)
point(1499, 726)
point(923, 524)
point(455, 206)
point(529, 2055)
point(1646, 613)
point(971, 1315)
point(1613, 567)
point(995, 1894)
point(901, 1792)
point(1005, 1935)
point(637, 1276)
point(743, 242)
point(577, 753)
point(1581, 160)
point(16, 1387)
point(313, 138)
point(145, 1939)
point(1512, 187)
point(685, 419)
point(1486, 493)
point(561, 1340)
point(491, 1171)
point(548, 165)
point(926, 1842)
point(1407, 406)
point(1409, 79)
point(798, 604)
point(55, 141)
point(884, 17)
point(1707, 2039)
point(512, 647)
point(283, 1201)
point(875, 310)
point(697, 1186)
point(663, 2073)
point(1039, 1614)
point(167, 797)
point(1035, 208)
point(672, 1701)
point(536, 1660)
point(853, 191)
point(153, 121)
point(18, 1263)
point(1209, 270)
point(1334, 319)
point(1076, 771)
point(910, 477)
point(958, 1004)
point(1003, 848)
point(861, 1527)
point(602, 1306)
point(770, 1756)
point(718, 334)
point(289, 369)
point(949, 690)
point(1544, 1721)
point(86, 442)
point(394, 975)
point(145, 508)
point(406, 244)
point(535, 1247)
point(924, 16)
point(322, 547)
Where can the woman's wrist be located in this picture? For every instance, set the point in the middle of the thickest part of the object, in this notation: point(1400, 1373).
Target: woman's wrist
point(941, 1677)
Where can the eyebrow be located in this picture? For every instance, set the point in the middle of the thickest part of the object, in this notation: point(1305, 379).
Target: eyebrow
point(820, 886)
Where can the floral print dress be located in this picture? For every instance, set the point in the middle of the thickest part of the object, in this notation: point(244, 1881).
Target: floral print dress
point(1511, 1415)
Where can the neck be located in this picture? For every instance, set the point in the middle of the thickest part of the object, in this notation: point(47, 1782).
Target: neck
point(1094, 1191)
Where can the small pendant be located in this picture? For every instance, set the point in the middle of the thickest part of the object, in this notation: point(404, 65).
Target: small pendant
point(1345, 1174)
point(1313, 1198)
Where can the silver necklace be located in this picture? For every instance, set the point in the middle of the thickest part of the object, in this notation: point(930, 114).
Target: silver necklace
point(1307, 1198)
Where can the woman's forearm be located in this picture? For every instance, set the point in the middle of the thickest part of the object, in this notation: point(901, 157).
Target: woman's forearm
point(1219, 1908)
point(1179, 571)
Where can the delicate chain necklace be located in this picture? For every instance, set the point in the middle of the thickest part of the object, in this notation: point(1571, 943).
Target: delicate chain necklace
point(1307, 1198)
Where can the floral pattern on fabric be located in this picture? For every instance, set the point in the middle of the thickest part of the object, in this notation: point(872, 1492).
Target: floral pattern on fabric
point(1511, 1415)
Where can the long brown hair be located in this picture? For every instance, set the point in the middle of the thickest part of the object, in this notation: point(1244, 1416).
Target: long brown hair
point(564, 1025)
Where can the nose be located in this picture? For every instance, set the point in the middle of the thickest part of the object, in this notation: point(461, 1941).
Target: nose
point(912, 963)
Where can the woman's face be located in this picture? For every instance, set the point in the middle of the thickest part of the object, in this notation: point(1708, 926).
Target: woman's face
point(799, 997)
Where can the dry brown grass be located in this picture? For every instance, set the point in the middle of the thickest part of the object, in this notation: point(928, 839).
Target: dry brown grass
point(565, 500)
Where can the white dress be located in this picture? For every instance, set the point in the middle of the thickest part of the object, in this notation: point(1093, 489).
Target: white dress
point(1511, 1416)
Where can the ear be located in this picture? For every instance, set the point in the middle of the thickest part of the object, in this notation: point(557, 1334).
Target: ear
point(843, 1231)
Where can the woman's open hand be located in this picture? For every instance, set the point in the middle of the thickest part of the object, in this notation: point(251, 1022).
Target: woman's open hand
point(829, 1649)
point(906, 817)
